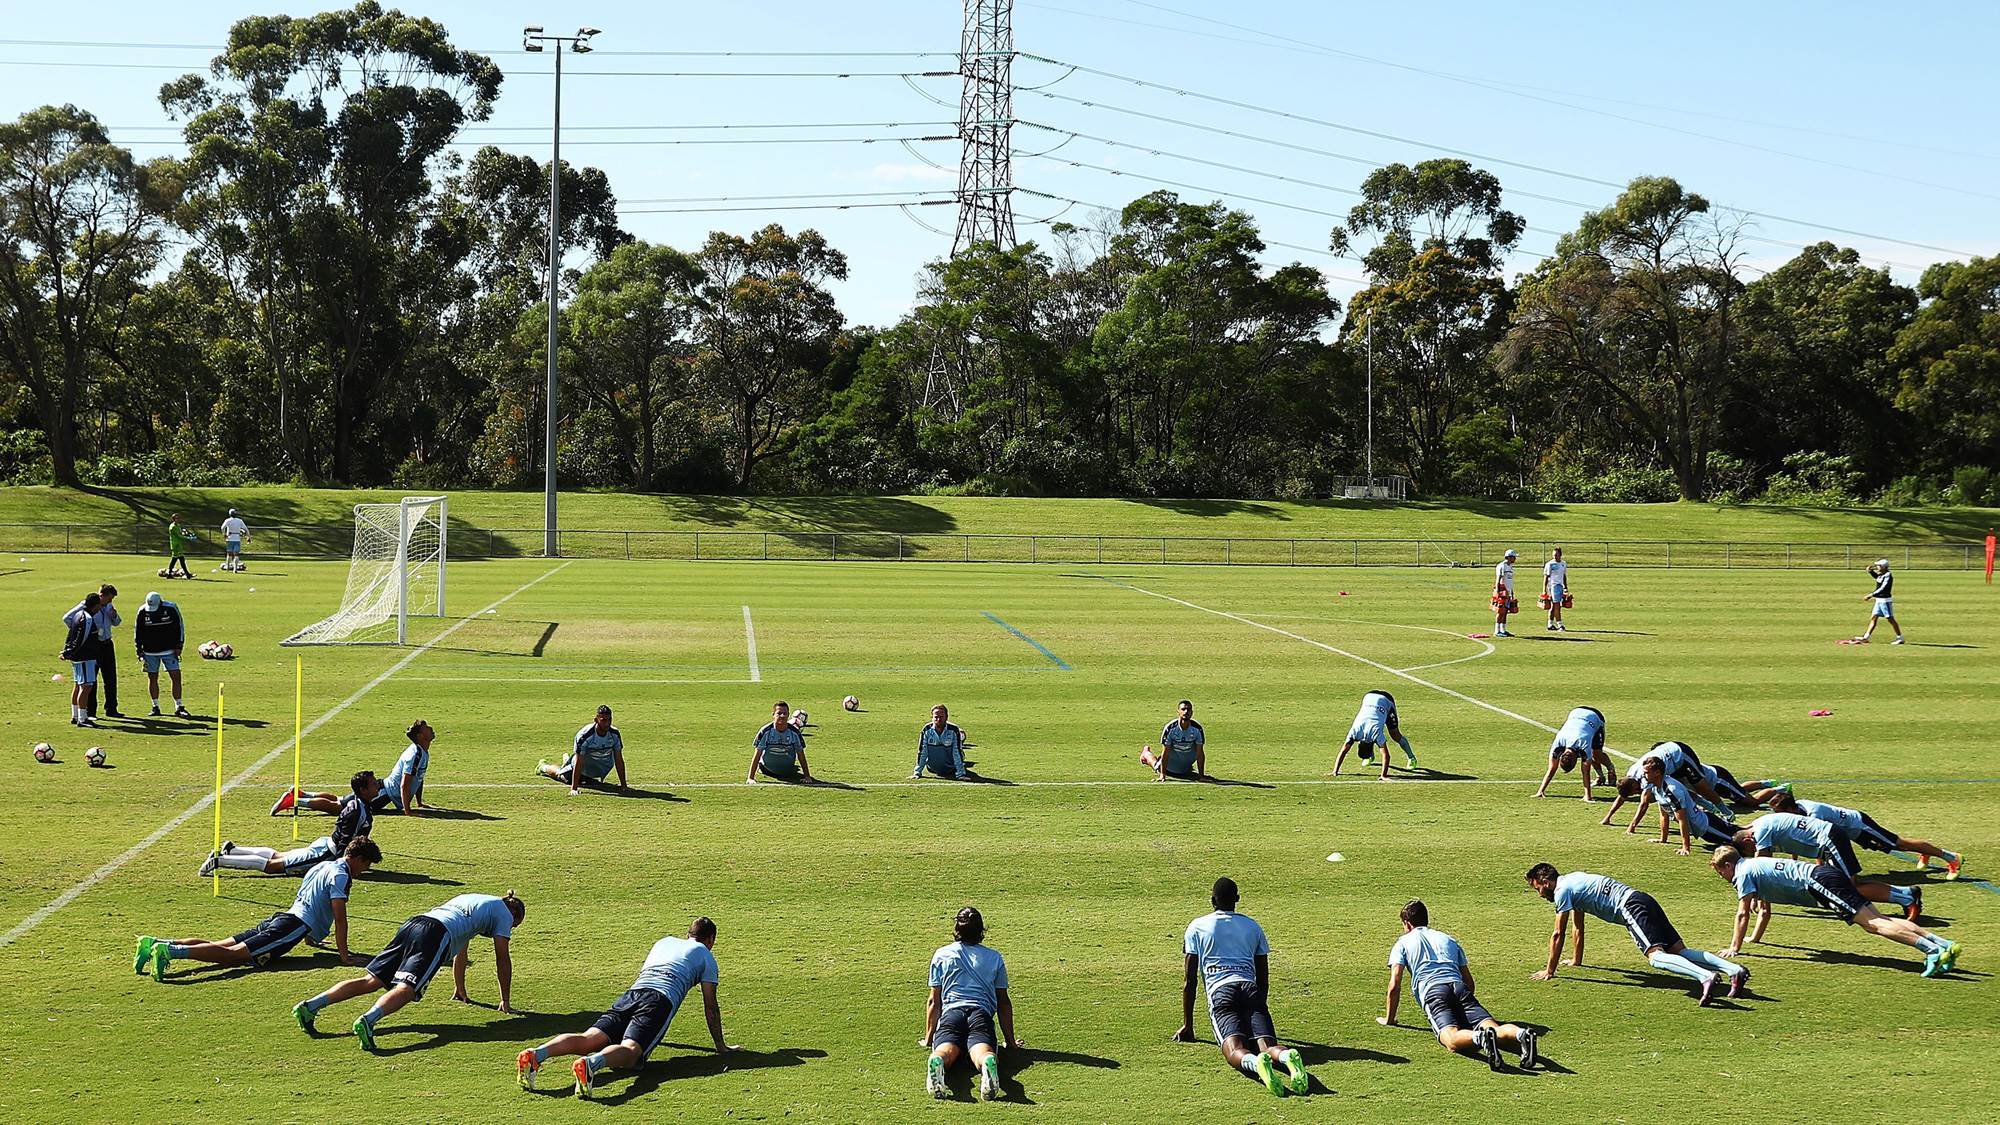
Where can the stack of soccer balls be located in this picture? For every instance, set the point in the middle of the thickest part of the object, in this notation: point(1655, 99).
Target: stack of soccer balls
point(215, 650)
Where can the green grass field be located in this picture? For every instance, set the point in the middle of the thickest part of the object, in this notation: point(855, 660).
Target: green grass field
point(830, 900)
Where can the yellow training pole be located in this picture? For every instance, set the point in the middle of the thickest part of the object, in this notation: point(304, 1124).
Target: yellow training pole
point(298, 738)
point(216, 875)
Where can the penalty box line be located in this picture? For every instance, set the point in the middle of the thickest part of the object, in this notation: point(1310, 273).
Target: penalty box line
point(110, 868)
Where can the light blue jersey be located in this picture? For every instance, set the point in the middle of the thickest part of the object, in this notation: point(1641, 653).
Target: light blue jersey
point(1673, 759)
point(969, 976)
point(778, 748)
point(1430, 957)
point(414, 763)
point(1371, 722)
point(597, 753)
point(1226, 945)
point(469, 916)
point(1775, 880)
point(941, 751)
point(1792, 834)
point(1180, 745)
point(675, 965)
point(1845, 819)
point(1597, 895)
point(314, 904)
point(1582, 730)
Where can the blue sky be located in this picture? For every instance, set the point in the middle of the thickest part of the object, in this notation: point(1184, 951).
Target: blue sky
point(1849, 115)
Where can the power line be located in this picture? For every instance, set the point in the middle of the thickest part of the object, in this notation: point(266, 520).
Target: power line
point(1483, 157)
point(670, 142)
point(568, 129)
point(903, 74)
point(787, 207)
point(805, 195)
point(1322, 252)
point(128, 46)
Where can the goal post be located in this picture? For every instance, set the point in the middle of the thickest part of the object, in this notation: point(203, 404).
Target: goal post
point(396, 572)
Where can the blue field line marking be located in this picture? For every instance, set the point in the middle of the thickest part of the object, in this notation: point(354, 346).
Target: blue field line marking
point(1924, 864)
point(1037, 645)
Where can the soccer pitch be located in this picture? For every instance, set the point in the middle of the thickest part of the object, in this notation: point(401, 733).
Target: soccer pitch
point(830, 900)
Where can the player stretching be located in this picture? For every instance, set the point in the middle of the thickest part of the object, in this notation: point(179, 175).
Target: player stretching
point(1860, 828)
point(597, 750)
point(968, 995)
point(1581, 739)
point(625, 1035)
point(1504, 601)
point(1183, 749)
point(1375, 726)
point(1229, 953)
point(779, 750)
point(1696, 822)
point(419, 949)
point(1799, 883)
point(355, 818)
point(1885, 603)
point(1441, 982)
point(1802, 836)
point(941, 747)
point(1580, 892)
point(321, 905)
point(402, 789)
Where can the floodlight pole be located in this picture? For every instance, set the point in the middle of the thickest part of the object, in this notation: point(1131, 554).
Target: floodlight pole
point(532, 40)
point(1371, 406)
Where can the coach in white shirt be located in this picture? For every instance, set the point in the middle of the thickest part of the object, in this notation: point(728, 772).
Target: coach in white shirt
point(1555, 583)
point(234, 532)
point(1503, 593)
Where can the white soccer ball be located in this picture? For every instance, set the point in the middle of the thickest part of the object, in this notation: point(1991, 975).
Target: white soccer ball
point(224, 651)
point(799, 719)
point(94, 755)
point(850, 704)
point(44, 752)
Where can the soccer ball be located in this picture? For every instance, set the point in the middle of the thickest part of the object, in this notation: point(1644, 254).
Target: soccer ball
point(224, 651)
point(799, 718)
point(164, 574)
point(850, 704)
point(44, 752)
point(94, 755)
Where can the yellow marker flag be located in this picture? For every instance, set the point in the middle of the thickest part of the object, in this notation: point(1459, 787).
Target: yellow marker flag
point(298, 738)
point(216, 875)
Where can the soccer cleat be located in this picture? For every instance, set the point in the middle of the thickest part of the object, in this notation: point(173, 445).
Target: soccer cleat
point(1933, 964)
point(1739, 984)
point(86, 721)
point(962, 776)
point(1268, 1074)
point(934, 1078)
point(1897, 641)
point(1561, 628)
point(182, 713)
point(142, 954)
point(155, 712)
point(364, 1033)
point(207, 866)
point(1489, 1046)
point(1295, 1066)
point(161, 959)
point(1915, 910)
point(1502, 633)
point(1949, 958)
point(304, 1015)
point(1529, 1054)
point(284, 803)
point(525, 1067)
point(1707, 991)
point(989, 1079)
point(1952, 864)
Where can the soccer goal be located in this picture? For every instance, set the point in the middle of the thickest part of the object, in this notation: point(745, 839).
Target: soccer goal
point(396, 573)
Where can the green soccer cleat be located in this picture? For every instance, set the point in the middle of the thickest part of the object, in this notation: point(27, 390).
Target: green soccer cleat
point(304, 1015)
point(1301, 1082)
point(160, 960)
point(989, 1079)
point(934, 1078)
point(142, 954)
point(365, 1034)
point(1949, 958)
point(1268, 1074)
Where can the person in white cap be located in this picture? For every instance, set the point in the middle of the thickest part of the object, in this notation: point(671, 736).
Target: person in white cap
point(158, 633)
point(1885, 604)
point(234, 532)
point(1503, 593)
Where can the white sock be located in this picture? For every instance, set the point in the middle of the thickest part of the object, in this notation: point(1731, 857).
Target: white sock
point(177, 703)
point(1674, 963)
point(260, 853)
point(1249, 1063)
point(1711, 961)
point(1901, 896)
point(241, 861)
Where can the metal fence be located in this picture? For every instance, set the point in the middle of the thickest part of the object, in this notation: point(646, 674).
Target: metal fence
point(333, 541)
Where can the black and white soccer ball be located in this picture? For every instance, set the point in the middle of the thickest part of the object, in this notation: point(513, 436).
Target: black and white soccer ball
point(94, 756)
point(851, 703)
point(44, 752)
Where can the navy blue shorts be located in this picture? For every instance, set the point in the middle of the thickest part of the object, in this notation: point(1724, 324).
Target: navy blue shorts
point(964, 1028)
point(779, 769)
point(272, 938)
point(640, 1016)
point(1874, 837)
point(1648, 924)
point(413, 956)
point(1236, 1010)
point(1836, 892)
point(1453, 1005)
point(1843, 855)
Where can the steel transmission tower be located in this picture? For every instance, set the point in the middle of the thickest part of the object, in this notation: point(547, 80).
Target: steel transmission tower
point(985, 169)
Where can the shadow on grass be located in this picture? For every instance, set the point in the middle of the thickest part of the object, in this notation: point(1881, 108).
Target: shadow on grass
point(1316, 1054)
point(383, 875)
point(961, 1080)
point(1911, 964)
point(519, 1027)
point(432, 812)
point(203, 725)
point(891, 514)
point(698, 1063)
point(200, 973)
point(815, 783)
point(1614, 632)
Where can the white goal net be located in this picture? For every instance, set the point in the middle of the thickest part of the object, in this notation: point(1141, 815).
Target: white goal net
point(396, 573)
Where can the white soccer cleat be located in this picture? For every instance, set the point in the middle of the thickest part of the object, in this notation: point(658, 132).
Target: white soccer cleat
point(207, 866)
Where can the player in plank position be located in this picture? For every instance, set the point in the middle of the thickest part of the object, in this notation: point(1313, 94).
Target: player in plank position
point(1860, 828)
point(421, 947)
point(1713, 784)
point(1802, 836)
point(1183, 749)
point(402, 789)
point(1581, 739)
point(598, 749)
point(355, 818)
point(625, 1035)
point(1441, 982)
point(1229, 953)
point(1676, 803)
point(941, 747)
point(320, 906)
point(1580, 892)
point(968, 997)
point(779, 750)
point(1797, 882)
point(1375, 725)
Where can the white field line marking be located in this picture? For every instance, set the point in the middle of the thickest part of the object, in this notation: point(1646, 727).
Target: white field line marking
point(750, 639)
point(1375, 664)
point(82, 585)
point(503, 679)
point(1490, 650)
point(110, 868)
point(947, 783)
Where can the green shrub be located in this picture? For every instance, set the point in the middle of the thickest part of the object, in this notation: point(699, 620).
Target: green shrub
point(1814, 479)
point(1973, 483)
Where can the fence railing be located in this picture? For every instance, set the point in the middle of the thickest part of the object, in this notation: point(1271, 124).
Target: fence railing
point(334, 541)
